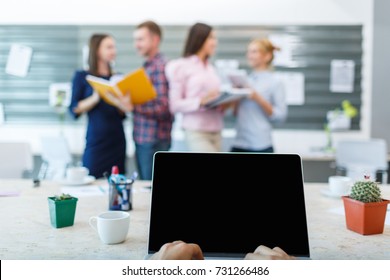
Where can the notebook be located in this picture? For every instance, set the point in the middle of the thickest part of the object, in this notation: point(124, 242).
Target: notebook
point(231, 203)
point(136, 83)
point(237, 88)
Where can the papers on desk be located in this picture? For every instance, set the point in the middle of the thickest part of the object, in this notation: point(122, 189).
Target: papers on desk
point(94, 190)
point(340, 211)
point(82, 191)
point(9, 193)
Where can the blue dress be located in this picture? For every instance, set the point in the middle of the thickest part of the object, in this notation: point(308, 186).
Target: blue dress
point(105, 137)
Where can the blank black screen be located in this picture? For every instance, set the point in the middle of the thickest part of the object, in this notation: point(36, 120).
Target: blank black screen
point(228, 203)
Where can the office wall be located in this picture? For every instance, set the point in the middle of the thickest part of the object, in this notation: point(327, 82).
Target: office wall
point(184, 12)
point(258, 12)
point(381, 69)
point(58, 52)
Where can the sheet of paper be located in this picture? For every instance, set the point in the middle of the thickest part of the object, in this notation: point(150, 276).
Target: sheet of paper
point(2, 116)
point(80, 191)
point(338, 120)
point(283, 57)
point(342, 75)
point(19, 59)
point(9, 193)
point(223, 66)
point(59, 94)
point(84, 57)
point(294, 86)
point(340, 211)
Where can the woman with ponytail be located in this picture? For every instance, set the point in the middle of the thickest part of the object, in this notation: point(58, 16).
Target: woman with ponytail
point(265, 105)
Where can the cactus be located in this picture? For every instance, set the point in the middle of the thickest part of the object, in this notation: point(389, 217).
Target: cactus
point(366, 191)
point(63, 197)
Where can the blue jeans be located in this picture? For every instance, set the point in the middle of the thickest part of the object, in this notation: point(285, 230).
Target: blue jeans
point(144, 157)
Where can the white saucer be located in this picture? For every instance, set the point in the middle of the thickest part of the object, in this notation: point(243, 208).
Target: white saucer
point(87, 180)
point(327, 192)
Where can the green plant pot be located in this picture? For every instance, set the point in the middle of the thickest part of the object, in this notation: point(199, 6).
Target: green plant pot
point(62, 212)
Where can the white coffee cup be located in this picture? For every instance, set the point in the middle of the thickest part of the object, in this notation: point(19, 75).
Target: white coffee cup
point(339, 185)
point(112, 226)
point(76, 174)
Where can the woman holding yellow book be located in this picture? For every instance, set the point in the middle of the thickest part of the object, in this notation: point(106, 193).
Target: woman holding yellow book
point(105, 138)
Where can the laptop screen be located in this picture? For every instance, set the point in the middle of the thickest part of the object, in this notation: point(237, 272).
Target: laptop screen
point(228, 203)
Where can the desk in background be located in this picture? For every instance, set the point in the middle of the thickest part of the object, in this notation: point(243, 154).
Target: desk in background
point(26, 232)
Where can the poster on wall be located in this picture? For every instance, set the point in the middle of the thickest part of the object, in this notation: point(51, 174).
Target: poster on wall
point(342, 75)
point(294, 86)
point(2, 117)
point(282, 57)
point(18, 61)
point(85, 55)
point(59, 95)
point(223, 67)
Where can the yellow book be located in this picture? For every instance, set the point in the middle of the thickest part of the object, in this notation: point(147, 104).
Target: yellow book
point(136, 83)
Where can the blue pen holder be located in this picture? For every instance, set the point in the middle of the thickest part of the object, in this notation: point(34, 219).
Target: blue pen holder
point(120, 192)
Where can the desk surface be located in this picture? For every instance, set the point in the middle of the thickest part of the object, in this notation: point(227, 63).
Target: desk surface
point(26, 232)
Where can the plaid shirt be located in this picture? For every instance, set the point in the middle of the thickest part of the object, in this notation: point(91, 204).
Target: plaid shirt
point(152, 120)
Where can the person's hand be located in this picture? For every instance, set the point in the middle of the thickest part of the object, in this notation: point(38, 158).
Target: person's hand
point(178, 250)
point(253, 95)
point(265, 253)
point(87, 103)
point(126, 103)
point(231, 104)
point(112, 98)
point(123, 102)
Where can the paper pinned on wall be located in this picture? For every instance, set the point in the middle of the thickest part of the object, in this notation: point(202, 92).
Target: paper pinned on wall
point(85, 55)
point(342, 75)
point(60, 94)
point(223, 67)
point(224, 64)
point(294, 86)
point(2, 118)
point(283, 57)
point(19, 59)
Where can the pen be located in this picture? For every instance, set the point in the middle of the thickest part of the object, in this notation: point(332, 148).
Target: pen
point(101, 189)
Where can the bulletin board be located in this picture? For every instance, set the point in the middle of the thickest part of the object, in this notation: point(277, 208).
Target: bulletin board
point(308, 53)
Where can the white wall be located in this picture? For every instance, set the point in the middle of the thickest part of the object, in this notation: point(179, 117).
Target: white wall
point(179, 12)
point(261, 12)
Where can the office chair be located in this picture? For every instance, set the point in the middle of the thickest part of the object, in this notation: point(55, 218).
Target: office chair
point(56, 157)
point(16, 160)
point(356, 158)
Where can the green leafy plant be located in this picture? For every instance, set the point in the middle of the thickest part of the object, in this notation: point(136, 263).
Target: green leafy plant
point(366, 191)
point(63, 196)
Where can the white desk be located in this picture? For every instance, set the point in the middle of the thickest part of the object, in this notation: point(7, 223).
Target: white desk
point(26, 232)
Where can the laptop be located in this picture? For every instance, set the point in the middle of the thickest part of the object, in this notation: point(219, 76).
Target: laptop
point(228, 203)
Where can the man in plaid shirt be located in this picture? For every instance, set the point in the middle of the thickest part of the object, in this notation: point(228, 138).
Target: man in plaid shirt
point(152, 121)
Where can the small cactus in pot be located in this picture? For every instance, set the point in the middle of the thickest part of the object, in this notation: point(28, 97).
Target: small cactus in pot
point(365, 209)
point(62, 209)
point(366, 191)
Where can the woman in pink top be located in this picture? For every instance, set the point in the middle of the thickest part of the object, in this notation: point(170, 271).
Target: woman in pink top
point(193, 82)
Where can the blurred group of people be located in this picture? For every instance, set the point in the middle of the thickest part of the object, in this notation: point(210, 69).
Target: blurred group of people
point(183, 85)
